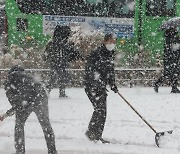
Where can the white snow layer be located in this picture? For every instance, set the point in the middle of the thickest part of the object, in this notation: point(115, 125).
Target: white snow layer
point(127, 132)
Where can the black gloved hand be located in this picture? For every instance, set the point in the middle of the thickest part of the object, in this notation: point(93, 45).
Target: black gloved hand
point(114, 88)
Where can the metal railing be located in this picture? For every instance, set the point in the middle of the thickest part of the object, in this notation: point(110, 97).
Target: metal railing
point(124, 76)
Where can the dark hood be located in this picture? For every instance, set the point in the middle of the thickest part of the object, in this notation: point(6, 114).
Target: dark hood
point(61, 32)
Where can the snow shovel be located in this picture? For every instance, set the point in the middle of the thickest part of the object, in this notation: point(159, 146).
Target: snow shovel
point(158, 134)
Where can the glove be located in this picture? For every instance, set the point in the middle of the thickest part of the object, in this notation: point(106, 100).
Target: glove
point(3, 116)
point(114, 88)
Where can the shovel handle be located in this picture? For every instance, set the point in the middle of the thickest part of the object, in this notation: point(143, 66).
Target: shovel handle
point(137, 112)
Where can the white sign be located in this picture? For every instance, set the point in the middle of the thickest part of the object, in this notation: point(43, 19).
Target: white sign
point(122, 27)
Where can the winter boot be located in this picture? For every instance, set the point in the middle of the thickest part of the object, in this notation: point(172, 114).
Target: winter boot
point(62, 92)
point(20, 153)
point(175, 90)
point(55, 152)
point(156, 88)
point(91, 136)
point(104, 141)
point(63, 95)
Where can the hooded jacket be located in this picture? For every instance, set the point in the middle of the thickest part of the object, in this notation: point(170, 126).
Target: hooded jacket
point(22, 90)
point(59, 52)
point(171, 52)
point(99, 70)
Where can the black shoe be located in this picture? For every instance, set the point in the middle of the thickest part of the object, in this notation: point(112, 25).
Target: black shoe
point(91, 136)
point(104, 141)
point(63, 95)
point(156, 88)
point(53, 152)
point(175, 90)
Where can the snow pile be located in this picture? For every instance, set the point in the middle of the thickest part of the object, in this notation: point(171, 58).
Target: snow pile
point(170, 140)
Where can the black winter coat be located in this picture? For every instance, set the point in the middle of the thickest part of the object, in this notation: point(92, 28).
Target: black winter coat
point(99, 70)
point(171, 53)
point(60, 53)
point(23, 91)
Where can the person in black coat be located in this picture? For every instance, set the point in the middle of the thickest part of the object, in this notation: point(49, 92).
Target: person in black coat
point(26, 95)
point(59, 52)
point(99, 72)
point(171, 60)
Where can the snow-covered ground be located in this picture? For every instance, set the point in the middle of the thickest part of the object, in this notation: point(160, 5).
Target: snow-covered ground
point(127, 132)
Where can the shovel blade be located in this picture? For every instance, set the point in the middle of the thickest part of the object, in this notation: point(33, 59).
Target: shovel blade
point(159, 134)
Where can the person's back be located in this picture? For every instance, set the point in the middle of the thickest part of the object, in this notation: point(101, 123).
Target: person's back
point(170, 61)
point(170, 46)
point(59, 50)
point(59, 53)
point(26, 95)
point(18, 82)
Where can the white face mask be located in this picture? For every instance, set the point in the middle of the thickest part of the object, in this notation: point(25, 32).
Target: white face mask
point(110, 47)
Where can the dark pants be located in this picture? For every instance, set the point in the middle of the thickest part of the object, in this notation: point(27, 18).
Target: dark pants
point(170, 74)
point(57, 78)
point(97, 122)
point(41, 111)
